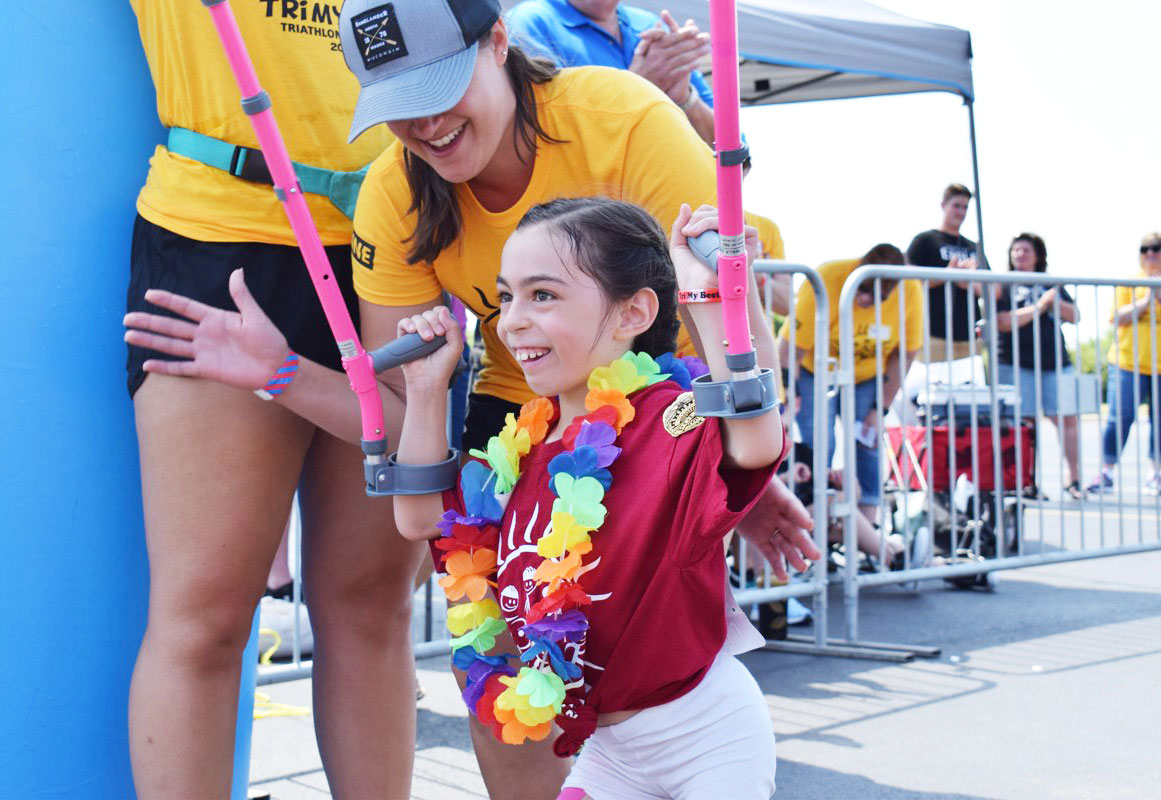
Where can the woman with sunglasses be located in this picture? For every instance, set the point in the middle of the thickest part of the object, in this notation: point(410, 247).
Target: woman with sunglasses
point(1134, 361)
point(1035, 313)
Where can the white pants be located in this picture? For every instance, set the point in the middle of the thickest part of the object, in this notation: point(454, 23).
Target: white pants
point(714, 742)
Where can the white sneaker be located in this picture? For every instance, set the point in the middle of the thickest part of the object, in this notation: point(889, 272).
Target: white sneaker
point(921, 550)
point(796, 612)
point(276, 628)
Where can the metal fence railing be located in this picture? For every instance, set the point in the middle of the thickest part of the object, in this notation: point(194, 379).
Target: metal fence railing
point(814, 584)
point(992, 488)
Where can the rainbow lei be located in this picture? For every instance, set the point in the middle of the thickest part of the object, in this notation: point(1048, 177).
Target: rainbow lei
point(519, 704)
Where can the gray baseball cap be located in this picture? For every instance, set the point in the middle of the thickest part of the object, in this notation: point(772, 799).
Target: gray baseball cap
point(413, 58)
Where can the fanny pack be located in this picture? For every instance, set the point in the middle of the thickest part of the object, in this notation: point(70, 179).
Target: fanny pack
point(248, 163)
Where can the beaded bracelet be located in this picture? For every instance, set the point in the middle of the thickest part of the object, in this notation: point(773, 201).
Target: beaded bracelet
point(280, 379)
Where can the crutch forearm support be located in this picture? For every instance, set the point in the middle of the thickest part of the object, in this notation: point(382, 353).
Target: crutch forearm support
point(389, 477)
point(736, 398)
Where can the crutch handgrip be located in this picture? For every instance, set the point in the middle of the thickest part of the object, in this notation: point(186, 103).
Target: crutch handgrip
point(406, 348)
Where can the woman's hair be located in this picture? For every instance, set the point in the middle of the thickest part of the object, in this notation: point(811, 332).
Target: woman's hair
point(622, 248)
point(433, 199)
point(1038, 247)
point(883, 254)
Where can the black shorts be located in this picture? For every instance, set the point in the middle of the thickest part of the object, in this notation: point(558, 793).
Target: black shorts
point(485, 419)
point(275, 275)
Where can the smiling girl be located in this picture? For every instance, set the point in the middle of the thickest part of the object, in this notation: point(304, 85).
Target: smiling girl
point(600, 514)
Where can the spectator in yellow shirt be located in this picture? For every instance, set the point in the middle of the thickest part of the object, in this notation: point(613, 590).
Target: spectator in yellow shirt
point(870, 337)
point(1134, 364)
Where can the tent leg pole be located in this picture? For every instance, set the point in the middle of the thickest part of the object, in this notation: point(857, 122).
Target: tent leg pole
point(976, 180)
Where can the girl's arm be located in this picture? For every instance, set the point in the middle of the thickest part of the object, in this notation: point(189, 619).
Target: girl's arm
point(749, 443)
point(423, 439)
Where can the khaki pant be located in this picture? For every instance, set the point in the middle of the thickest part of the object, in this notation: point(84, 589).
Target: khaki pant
point(939, 350)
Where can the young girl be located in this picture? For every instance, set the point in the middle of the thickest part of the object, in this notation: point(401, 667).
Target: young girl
point(597, 516)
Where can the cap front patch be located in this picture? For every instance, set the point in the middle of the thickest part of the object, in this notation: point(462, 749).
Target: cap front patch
point(378, 37)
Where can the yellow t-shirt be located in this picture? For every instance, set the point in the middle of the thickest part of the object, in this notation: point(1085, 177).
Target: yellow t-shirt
point(622, 137)
point(296, 52)
point(834, 274)
point(769, 236)
point(1121, 352)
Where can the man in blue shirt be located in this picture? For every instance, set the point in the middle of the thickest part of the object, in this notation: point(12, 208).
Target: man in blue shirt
point(607, 33)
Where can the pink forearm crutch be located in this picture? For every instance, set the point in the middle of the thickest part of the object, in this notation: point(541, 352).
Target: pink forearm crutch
point(750, 391)
point(359, 365)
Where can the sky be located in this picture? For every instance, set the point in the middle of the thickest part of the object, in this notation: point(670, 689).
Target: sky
point(1068, 112)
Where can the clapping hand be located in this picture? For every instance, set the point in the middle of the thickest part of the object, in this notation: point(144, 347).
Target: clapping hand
point(667, 54)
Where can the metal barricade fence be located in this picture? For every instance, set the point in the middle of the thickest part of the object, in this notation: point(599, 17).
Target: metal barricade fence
point(982, 500)
point(429, 611)
point(813, 584)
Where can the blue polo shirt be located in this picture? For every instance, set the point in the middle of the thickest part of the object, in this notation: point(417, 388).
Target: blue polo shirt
point(555, 29)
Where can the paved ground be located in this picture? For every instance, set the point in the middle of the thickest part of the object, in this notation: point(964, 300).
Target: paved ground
point(1047, 687)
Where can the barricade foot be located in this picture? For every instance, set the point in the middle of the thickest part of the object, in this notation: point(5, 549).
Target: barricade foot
point(843, 648)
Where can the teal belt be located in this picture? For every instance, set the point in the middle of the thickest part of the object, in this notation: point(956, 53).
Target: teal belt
point(248, 163)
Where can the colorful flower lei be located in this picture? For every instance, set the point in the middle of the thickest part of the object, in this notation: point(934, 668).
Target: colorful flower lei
point(519, 704)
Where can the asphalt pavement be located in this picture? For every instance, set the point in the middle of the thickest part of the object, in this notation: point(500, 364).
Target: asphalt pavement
point(1048, 686)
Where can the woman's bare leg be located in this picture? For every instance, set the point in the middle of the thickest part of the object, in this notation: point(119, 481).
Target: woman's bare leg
point(218, 470)
point(358, 573)
point(1069, 445)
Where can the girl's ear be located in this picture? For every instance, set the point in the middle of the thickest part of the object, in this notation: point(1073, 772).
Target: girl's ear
point(637, 315)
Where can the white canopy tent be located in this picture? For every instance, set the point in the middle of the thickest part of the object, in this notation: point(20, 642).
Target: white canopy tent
point(798, 50)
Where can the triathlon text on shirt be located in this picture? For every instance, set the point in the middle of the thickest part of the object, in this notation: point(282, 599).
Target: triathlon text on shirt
point(294, 13)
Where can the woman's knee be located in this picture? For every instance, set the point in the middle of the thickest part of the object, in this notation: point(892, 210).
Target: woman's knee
point(369, 607)
point(208, 632)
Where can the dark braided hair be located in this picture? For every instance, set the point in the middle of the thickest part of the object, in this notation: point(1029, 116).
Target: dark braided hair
point(622, 248)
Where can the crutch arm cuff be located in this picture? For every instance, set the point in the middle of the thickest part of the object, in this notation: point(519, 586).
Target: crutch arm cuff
point(389, 477)
point(736, 399)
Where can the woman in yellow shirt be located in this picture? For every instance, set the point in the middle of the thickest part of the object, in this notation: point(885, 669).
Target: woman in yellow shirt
point(1134, 364)
point(483, 134)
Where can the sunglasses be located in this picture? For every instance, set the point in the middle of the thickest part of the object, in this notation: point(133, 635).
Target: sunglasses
point(1151, 248)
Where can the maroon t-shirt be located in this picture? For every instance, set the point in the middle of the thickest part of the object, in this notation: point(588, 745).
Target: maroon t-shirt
point(658, 617)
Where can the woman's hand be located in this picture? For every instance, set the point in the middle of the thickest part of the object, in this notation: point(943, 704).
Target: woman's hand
point(433, 372)
point(1044, 302)
point(239, 348)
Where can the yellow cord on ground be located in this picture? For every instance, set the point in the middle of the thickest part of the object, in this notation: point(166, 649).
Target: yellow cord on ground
point(268, 653)
point(265, 707)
